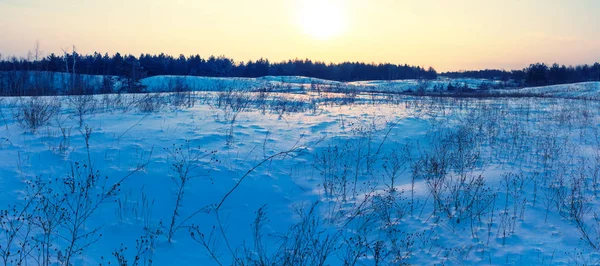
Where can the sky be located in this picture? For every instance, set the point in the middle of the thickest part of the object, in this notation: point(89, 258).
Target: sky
point(448, 35)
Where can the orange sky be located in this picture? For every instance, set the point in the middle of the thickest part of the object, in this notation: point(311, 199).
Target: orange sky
point(448, 35)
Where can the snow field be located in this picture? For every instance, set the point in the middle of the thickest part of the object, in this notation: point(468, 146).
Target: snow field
point(304, 179)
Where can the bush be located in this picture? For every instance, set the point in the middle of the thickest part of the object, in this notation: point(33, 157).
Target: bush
point(34, 112)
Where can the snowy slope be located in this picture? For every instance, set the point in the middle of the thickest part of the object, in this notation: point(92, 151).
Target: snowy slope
point(583, 90)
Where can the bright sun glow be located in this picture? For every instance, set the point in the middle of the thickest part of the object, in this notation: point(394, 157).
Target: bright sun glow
point(321, 19)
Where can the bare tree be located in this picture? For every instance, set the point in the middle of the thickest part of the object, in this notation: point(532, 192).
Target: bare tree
point(37, 53)
point(66, 60)
point(39, 85)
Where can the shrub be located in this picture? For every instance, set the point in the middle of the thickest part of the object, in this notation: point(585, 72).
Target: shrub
point(34, 112)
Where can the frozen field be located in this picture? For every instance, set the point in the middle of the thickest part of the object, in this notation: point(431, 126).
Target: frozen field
point(274, 178)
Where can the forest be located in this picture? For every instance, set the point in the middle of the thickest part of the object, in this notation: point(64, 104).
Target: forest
point(213, 66)
point(538, 74)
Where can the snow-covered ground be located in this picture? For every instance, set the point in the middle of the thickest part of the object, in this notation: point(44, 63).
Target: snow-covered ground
point(316, 178)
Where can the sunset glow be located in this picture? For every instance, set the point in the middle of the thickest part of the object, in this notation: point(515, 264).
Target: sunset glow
point(448, 35)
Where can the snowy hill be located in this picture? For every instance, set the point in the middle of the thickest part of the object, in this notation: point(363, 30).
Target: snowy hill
point(171, 83)
point(583, 90)
point(56, 81)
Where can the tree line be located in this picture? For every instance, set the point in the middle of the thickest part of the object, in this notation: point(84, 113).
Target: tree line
point(538, 74)
point(162, 64)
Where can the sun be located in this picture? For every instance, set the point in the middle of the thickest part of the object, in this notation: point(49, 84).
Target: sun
point(321, 19)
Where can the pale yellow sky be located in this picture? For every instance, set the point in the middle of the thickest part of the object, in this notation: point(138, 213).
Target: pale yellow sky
point(448, 35)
